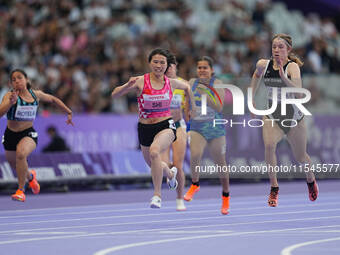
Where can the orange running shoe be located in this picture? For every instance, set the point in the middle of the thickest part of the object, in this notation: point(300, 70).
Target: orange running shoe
point(273, 198)
point(191, 192)
point(313, 190)
point(33, 184)
point(225, 205)
point(19, 196)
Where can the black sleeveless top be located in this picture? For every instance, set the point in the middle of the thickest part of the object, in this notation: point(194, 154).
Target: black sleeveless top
point(22, 110)
point(272, 77)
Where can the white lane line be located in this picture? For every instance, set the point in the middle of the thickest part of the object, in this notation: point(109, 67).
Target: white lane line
point(94, 207)
point(114, 233)
point(172, 209)
point(51, 238)
point(252, 199)
point(322, 231)
point(141, 206)
point(289, 249)
point(163, 214)
point(30, 233)
point(180, 232)
point(102, 211)
point(133, 245)
point(145, 208)
point(177, 227)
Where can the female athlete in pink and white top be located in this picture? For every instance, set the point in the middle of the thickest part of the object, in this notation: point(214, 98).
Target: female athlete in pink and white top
point(156, 129)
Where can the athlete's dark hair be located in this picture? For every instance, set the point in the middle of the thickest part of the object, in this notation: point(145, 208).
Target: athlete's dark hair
point(158, 51)
point(170, 58)
point(208, 59)
point(210, 62)
point(28, 84)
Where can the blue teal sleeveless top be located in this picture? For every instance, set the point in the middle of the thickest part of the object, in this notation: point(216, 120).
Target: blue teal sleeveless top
point(22, 110)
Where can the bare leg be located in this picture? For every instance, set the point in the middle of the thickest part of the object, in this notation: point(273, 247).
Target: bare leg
point(24, 149)
point(297, 138)
point(271, 136)
point(166, 156)
point(179, 148)
point(11, 158)
point(217, 148)
point(197, 145)
point(152, 156)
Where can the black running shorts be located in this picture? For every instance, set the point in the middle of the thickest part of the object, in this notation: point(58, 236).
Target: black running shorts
point(11, 139)
point(147, 132)
point(292, 113)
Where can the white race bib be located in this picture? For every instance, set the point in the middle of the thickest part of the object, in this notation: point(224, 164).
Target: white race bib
point(26, 112)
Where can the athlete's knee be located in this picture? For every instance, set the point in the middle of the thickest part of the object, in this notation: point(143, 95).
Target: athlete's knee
point(20, 155)
point(154, 152)
point(195, 156)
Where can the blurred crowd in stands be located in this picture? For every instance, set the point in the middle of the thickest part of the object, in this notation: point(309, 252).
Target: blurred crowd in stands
point(79, 50)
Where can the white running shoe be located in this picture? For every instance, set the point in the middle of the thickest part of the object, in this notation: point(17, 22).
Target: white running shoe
point(180, 205)
point(156, 202)
point(172, 182)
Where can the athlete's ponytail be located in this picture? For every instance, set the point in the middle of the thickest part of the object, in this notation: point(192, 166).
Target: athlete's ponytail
point(295, 58)
point(171, 59)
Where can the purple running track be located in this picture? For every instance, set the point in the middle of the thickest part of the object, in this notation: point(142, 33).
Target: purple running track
point(120, 222)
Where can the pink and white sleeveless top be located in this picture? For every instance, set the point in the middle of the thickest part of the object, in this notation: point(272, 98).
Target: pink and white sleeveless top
point(154, 103)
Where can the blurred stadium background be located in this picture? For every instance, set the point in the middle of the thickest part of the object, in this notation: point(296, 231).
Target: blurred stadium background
point(79, 50)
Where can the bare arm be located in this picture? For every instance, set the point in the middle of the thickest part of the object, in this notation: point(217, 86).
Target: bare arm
point(217, 103)
point(54, 100)
point(184, 85)
point(258, 73)
point(180, 84)
point(187, 108)
point(214, 100)
point(132, 85)
point(194, 108)
point(8, 100)
point(293, 70)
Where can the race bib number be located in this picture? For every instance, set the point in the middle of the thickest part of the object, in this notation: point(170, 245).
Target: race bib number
point(26, 112)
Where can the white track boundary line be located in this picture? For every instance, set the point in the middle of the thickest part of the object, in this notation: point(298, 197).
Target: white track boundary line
point(177, 227)
point(133, 245)
point(163, 214)
point(106, 233)
point(284, 197)
point(289, 249)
